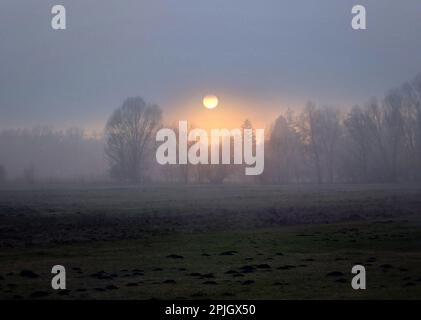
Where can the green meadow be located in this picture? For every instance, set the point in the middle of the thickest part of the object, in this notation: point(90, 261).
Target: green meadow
point(210, 242)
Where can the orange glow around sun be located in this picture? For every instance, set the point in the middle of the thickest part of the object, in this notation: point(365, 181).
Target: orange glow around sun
point(228, 111)
point(210, 101)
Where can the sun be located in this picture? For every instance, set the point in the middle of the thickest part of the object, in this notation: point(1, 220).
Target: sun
point(210, 101)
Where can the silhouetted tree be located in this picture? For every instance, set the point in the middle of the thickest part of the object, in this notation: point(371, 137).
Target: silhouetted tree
point(129, 133)
point(310, 134)
point(285, 149)
point(359, 144)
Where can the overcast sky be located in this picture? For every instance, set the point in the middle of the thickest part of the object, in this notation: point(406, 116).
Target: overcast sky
point(256, 55)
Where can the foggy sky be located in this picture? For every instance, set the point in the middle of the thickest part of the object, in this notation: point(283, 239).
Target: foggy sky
point(265, 54)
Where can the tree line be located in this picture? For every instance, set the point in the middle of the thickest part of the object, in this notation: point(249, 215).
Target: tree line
point(378, 142)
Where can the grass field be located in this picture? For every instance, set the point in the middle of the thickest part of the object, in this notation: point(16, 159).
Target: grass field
point(201, 242)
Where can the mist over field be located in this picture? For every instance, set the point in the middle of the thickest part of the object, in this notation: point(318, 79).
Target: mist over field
point(296, 69)
point(379, 141)
point(339, 189)
point(81, 186)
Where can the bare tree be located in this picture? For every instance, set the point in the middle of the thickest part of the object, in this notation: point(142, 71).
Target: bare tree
point(320, 131)
point(309, 130)
point(330, 134)
point(285, 149)
point(129, 134)
point(394, 127)
point(359, 144)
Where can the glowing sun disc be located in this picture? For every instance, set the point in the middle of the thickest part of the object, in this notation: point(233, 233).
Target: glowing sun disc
point(210, 101)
